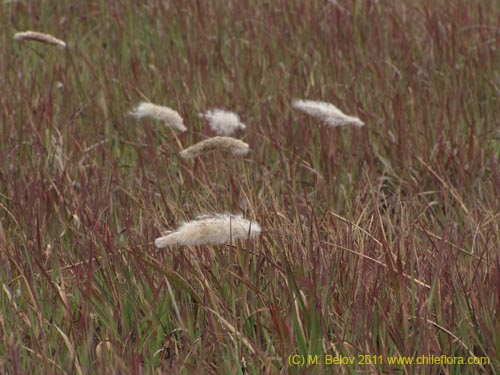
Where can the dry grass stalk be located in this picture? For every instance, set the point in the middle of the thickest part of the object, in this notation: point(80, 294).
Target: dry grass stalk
point(3, 237)
point(170, 117)
point(57, 151)
point(40, 37)
point(232, 145)
point(327, 113)
point(223, 122)
point(216, 229)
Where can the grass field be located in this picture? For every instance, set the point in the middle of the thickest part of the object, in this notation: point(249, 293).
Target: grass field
point(377, 242)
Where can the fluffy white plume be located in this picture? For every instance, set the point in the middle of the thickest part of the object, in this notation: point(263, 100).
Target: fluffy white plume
point(326, 112)
point(170, 118)
point(40, 37)
point(216, 229)
point(223, 122)
point(232, 145)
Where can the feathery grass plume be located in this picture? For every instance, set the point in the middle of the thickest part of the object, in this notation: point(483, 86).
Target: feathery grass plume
point(206, 229)
point(326, 112)
point(40, 37)
point(233, 145)
point(223, 122)
point(170, 118)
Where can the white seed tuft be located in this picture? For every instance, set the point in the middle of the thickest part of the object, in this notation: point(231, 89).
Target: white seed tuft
point(223, 122)
point(216, 229)
point(232, 145)
point(326, 112)
point(40, 37)
point(170, 118)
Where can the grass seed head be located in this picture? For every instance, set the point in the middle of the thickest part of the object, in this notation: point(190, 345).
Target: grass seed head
point(170, 118)
point(215, 229)
point(223, 122)
point(232, 145)
point(327, 113)
point(39, 37)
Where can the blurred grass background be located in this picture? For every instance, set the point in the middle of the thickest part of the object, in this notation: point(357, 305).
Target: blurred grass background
point(381, 240)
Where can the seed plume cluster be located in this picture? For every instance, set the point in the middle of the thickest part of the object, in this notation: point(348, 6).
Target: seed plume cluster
point(36, 36)
point(215, 229)
point(223, 122)
point(229, 144)
point(327, 113)
point(170, 117)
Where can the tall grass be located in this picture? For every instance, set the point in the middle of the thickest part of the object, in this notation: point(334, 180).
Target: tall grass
point(381, 240)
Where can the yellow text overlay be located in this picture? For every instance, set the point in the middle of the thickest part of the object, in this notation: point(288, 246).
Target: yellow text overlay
point(366, 359)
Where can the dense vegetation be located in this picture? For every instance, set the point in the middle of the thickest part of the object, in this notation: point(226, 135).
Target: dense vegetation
point(381, 240)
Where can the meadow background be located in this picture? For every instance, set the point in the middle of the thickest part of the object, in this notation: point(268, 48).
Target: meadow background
point(381, 240)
